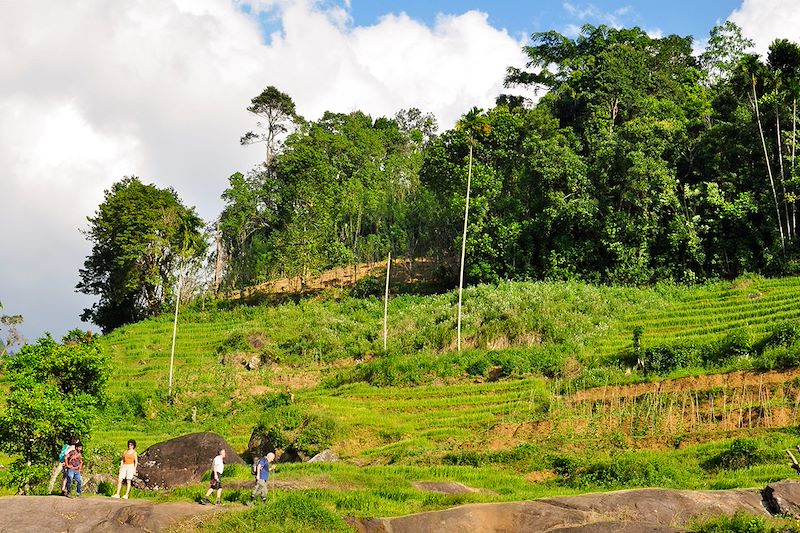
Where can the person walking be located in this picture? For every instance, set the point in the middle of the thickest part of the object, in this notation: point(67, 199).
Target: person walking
point(263, 467)
point(74, 465)
point(217, 466)
point(127, 468)
point(68, 447)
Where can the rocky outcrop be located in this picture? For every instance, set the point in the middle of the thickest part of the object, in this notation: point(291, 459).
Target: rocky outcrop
point(325, 456)
point(34, 514)
point(181, 460)
point(628, 511)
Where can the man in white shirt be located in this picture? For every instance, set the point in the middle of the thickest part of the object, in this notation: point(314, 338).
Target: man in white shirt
point(217, 466)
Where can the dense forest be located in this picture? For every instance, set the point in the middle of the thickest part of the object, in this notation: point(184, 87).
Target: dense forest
point(640, 160)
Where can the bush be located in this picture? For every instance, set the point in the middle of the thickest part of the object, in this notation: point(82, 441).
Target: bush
point(741, 453)
point(665, 358)
point(742, 522)
point(784, 334)
point(105, 488)
point(317, 435)
point(734, 345)
point(366, 287)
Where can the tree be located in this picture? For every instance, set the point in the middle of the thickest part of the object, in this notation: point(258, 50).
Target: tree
point(11, 336)
point(277, 115)
point(725, 49)
point(472, 123)
point(55, 392)
point(138, 235)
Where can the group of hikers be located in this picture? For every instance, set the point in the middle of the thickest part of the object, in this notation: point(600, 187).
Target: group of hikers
point(71, 458)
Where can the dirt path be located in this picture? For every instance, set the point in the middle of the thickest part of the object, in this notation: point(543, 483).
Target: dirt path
point(35, 514)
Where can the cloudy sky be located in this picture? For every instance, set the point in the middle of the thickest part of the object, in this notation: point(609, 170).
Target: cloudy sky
point(94, 90)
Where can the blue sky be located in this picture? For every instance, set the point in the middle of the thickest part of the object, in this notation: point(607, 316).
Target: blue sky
point(682, 17)
point(521, 18)
point(159, 90)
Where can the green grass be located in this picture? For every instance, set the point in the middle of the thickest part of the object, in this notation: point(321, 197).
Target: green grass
point(499, 417)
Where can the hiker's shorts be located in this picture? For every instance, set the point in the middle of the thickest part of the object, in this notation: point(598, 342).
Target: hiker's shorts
point(127, 471)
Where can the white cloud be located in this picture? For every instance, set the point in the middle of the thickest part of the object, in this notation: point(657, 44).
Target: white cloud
point(763, 21)
point(591, 13)
point(91, 91)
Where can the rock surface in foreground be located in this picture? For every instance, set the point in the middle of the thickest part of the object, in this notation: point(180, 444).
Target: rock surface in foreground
point(35, 514)
point(628, 511)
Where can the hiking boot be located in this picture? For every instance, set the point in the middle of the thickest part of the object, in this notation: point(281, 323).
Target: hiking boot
point(68, 495)
point(204, 501)
point(218, 503)
point(125, 497)
point(115, 496)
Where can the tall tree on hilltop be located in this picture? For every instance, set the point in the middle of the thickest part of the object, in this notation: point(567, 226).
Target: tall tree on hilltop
point(784, 60)
point(276, 116)
point(726, 47)
point(472, 123)
point(11, 336)
point(138, 234)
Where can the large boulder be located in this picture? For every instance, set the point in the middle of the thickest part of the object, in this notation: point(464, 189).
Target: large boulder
point(181, 460)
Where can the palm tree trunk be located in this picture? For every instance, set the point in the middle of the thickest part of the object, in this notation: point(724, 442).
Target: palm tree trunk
point(783, 176)
point(791, 169)
point(769, 167)
point(464, 247)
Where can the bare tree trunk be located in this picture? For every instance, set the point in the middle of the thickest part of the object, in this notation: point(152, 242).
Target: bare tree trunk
point(791, 169)
point(769, 167)
point(783, 176)
point(464, 247)
point(218, 262)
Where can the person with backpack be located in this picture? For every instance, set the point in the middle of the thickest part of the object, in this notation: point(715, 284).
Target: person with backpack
point(65, 449)
point(261, 472)
point(127, 468)
point(74, 465)
point(217, 466)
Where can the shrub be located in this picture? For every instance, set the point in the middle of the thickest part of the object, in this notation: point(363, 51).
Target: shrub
point(741, 522)
point(366, 287)
point(105, 488)
point(317, 435)
point(741, 453)
point(665, 358)
point(734, 345)
point(784, 334)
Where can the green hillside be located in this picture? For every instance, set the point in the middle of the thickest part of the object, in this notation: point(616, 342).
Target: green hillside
point(545, 399)
point(327, 351)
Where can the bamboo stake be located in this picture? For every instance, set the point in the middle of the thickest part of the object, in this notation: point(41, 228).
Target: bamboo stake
point(795, 464)
point(386, 301)
point(464, 246)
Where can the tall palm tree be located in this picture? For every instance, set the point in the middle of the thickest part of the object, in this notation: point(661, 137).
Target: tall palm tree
point(472, 123)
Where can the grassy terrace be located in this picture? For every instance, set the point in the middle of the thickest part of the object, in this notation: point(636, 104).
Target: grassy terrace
point(521, 413)
point(312, 342)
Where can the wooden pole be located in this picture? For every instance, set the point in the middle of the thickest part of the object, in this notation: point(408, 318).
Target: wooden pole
point(386, 300)
point(463, 247)
point(174, 334)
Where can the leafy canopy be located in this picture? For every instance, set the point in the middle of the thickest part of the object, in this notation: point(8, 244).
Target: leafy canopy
point(55, 392)
point(139, 234)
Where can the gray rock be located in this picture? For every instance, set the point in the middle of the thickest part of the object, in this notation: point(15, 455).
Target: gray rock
point(181, 460)
point(325, 456)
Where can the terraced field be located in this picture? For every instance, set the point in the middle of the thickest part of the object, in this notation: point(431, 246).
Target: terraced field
point(302, 344)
